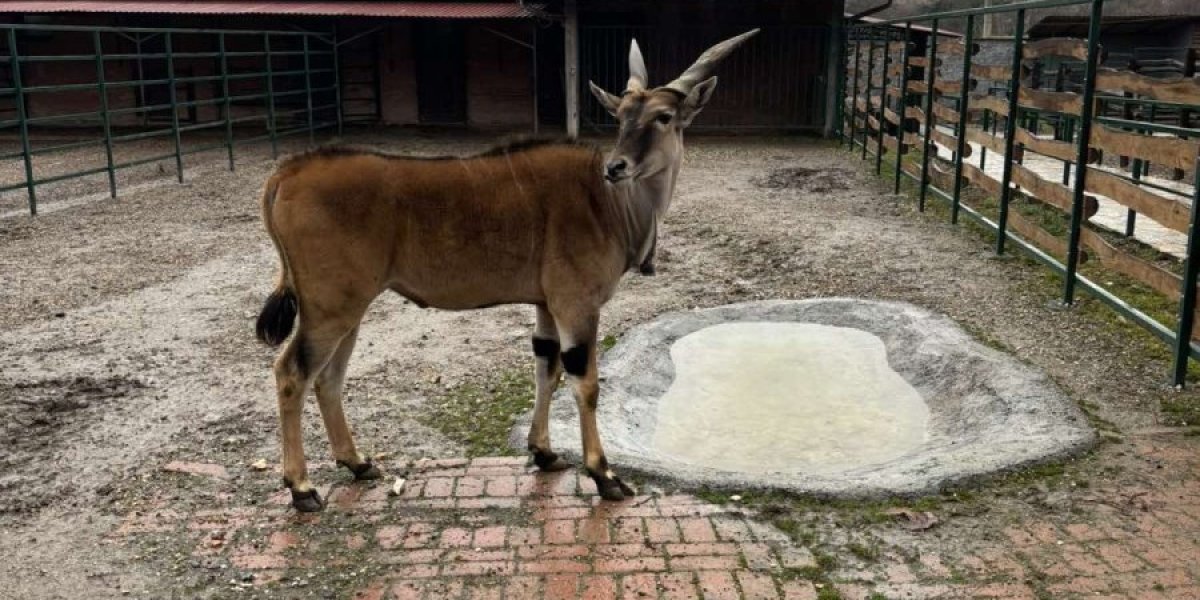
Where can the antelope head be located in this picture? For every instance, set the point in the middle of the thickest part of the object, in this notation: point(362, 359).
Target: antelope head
point(652, 120)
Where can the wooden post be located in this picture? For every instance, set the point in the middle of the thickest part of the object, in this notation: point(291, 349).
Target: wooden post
point(571, 64)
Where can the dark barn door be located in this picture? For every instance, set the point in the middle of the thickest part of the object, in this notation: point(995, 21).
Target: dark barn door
point(441, 73)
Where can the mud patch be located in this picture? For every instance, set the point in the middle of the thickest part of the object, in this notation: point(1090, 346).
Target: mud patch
point(805, 179)
point(34, 417)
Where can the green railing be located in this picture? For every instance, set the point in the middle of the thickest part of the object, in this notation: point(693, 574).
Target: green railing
point(262, 86)
point(880, 108)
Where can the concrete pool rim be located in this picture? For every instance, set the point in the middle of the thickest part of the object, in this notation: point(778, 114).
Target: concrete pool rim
point(989, 413)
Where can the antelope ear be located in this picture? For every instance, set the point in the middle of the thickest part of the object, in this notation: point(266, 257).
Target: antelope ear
point(607, 100)
point(695, 100)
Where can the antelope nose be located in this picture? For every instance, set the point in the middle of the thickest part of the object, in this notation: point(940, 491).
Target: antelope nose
point(614, 169)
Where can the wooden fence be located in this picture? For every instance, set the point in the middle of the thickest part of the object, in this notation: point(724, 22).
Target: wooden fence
point(1065, 152)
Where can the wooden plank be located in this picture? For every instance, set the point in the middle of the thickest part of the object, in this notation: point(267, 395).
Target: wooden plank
point(980, 179)
point(873, 122)
point(993, 72)
point(956, 48)
point(1154, 276)
point(891, 143)
point(991, 142)
point(918, 61)
point(993, 103)
point(1185, 90)
point(949, 142)
point(913, 112)
point(1053, 148)
point(1168, 212)
point(1052, 192)
point(891, 116)
point(918, 87)
point(948, 87)
point(1061, 102)
point(1159, 150)
point(1039, 237)
point(945, 113)
point(1070, 47)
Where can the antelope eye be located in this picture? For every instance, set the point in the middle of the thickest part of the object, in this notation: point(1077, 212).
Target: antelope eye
point(664, 118)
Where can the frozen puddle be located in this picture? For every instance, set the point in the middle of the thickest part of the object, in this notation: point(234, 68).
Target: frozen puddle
point(759, 397)
point(830, 396)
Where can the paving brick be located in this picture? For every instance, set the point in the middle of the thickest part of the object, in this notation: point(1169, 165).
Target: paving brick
point(628, 530)
point(626, 550)
point(480, 568)
point(678, 586)
point(1084, 533)
point(419, 535)
point(479, 590)
point(524, 536)
point(718, 585)
point(439, 487)
point(407, 590)
point(523, 586)
point(557, 551)
point(559, 532)
point(697, 530)
point(1118, 558)
point(561, 587)
point(799, 590)
point(599, 587)
point(488, 537)
point(795, 557)
point(704, 563)
point(758, 556)
point(639, 586)
point(469, 487)
point(593, 531)
point(501, 486)
point(391, 536)
point(454, 537)
point(756, 586)
point(553, 566)
point(628, 565)
point(659, 530)
point(701, 549)
point(732, 529)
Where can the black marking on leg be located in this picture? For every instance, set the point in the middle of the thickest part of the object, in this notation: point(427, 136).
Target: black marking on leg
point(364, 471)
point(575, 361)
point(547, 349)
point(547, 460)
point(307, 501)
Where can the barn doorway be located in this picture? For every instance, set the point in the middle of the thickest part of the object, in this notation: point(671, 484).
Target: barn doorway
point(441, 72)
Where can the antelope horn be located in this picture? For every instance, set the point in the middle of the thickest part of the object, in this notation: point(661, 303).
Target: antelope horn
point(637, 69)
point(707, 63)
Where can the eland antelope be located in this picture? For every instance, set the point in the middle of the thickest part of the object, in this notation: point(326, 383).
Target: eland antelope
point(554, 225)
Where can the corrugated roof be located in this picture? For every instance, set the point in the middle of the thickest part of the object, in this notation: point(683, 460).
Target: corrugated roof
point(332, 8)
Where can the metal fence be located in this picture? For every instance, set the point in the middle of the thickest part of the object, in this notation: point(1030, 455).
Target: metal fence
point(1061, 145)
point(128, 84)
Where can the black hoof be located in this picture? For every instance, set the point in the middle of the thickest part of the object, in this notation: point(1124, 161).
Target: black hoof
point(549, 462)
point(365, 471)
point(612, 488)
point(309, 501)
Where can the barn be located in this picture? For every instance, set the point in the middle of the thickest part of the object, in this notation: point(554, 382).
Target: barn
point(501, 65)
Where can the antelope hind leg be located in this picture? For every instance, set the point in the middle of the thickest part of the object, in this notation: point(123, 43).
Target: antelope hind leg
point(330, 386)
point(548, 369)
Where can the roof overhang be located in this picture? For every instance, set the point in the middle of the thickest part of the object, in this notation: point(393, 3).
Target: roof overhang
point(328, 8)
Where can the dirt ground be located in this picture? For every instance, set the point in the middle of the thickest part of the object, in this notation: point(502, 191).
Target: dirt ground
point(126, 343)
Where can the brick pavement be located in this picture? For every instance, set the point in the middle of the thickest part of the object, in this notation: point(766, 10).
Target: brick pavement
point(493, 528)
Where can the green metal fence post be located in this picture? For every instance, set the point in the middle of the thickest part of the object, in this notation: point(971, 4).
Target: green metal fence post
point(961, 128)
point(867, 94)
point(270, 97)
point(903, 107)
point(141, 75)
point(1010, 130)
point(840, 108)
point(854, 89)
point(927, 145)
point(1081, 156)
point(14, 59)
point(106, 122)
point(1130, 214)
point(337, 83)
point(987, 114)
point(226, 104)
point(1187, 303)
point(171, 92)
point(308, 89)
point(883, 101)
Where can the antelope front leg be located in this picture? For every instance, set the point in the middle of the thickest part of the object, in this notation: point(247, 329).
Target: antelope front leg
point(548, 368)
point(579, 361)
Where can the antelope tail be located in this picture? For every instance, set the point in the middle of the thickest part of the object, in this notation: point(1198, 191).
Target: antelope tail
point(279, 313)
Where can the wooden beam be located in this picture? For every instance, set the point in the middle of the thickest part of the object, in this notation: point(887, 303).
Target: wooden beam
point(1060, 102)
point(1054, 148)
point(1052, 193)
point(571, 64)
point(1071, 47)
point(1159, 150)
point(1168, 212)
point(1175, 89)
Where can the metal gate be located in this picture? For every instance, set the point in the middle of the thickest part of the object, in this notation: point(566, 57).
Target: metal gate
point(777, 81)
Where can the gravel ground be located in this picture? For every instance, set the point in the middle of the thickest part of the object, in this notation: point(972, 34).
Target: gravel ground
point(126, 342)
